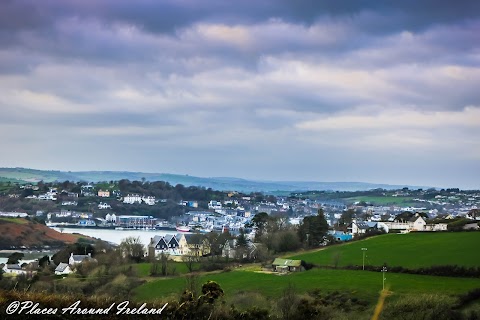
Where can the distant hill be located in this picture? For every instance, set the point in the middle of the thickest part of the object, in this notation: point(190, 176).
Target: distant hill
point(216, 183)
point(18, 232)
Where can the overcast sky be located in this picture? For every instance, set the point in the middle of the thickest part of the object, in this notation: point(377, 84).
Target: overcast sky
point(268, 90)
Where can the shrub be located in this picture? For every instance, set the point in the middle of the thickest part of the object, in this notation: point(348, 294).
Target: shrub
point(427, 307)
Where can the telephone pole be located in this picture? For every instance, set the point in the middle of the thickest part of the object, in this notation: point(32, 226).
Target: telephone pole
point(384, 269)
point(364, 250)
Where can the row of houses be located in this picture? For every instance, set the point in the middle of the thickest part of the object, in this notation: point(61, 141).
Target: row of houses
point(184, 244)
point(30, 269)
point(136, 198)
point(416, 223)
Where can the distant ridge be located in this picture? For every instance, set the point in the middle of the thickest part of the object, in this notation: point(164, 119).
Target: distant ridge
point(217, 183)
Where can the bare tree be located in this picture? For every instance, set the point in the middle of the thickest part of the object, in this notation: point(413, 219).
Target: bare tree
point(336, 259)
point(132, 248)
point(190, 261)
point(287, 304)
point(164, 259)
point(193, 284)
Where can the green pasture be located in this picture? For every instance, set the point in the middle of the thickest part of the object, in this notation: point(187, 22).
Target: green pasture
point(14, 220)
point(412, 250)
point(361, 284)
point(177, 268)
point(29, 175)
point(386, 200)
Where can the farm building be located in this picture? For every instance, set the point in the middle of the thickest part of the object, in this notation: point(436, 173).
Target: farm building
point(286, 265)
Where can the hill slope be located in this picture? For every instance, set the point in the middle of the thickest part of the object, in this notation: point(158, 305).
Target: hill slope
point(16, 233)
point(216, 183)
point(413, 250)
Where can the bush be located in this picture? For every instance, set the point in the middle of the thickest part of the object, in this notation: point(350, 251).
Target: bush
point(468, 297)
point(427, 307)
point(441, 271)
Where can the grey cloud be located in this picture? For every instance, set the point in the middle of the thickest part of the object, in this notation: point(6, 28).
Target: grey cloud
point(161, 16)
point(230, 83)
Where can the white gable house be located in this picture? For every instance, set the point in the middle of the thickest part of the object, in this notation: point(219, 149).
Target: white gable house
point(62, 269)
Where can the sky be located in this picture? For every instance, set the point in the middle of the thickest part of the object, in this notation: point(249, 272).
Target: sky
point(354, 90)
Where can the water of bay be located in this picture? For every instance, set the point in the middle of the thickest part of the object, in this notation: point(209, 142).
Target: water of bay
point(116, 236)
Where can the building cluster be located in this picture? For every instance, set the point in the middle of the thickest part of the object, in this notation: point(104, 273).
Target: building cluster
point(180, 244)
point(235, 211)
point(65, 268)
point(31, 268)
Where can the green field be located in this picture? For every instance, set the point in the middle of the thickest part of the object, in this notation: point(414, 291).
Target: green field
point(362, 284)
point(14, 220)
point(387, 200)
point(178, 268)
point(411, 250)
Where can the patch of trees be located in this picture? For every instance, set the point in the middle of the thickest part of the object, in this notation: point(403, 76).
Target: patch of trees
point(164, 190)
point(132, 249)
point(275, 233)
point(80, 247)
point(313, 230)
point(15, 257)
point(459, 224)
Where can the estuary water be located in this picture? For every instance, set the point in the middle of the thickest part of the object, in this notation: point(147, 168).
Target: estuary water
point(116, 236)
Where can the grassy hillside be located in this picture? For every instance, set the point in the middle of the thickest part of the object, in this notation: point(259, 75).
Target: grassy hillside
point(362, 284)
point(411, 250)
point(384, 201)
point(19, 232)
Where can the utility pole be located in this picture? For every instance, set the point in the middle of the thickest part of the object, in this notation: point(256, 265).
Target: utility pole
point(384, 269)
point(364, 250)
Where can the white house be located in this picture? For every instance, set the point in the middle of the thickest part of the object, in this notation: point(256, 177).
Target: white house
point(13, 269)
point(360, 227)
point(69, 203)
point(132, 198)
point(102, 206)
point(47, 196)
point(228, 249)
point(79, 258)
point(167, 244)
point(111, 217)
point(87, 191)
point(63, 214)
point(149, 200)
point(417, 223)
point(63, 268)
point(437, 227)
point(214, 205)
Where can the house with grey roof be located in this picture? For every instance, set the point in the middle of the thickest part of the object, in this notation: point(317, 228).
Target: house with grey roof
point(167, 244)
point(13, 269)
point(63, 269)
point(360, 227)
point(79, 258)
